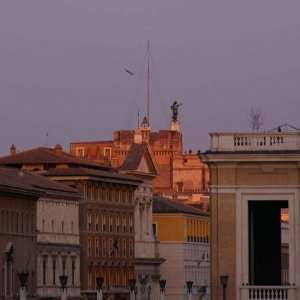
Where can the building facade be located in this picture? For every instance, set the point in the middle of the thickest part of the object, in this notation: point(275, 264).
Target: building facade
point(140, 162)
point(183, 234)
point(40, 234)
point(106, 225)
point(58, 245)
point(106, 222)
point(255, 179)
point(17, 233)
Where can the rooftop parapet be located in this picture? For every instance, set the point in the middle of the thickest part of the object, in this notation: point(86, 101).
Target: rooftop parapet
point(264, 141)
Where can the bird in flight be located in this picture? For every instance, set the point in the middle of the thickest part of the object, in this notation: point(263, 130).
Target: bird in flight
point(129, 72)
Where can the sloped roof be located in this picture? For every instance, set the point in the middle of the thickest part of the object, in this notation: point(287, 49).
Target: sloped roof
point(92, 173)
point(15, 179)
point(42, 155)
point(135, 156)
point(164, 205)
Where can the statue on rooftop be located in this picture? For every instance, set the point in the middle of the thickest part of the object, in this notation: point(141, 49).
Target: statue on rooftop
point(174, 108)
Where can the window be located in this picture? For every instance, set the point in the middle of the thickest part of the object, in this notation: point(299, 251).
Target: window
point(179, 187)
point(124, 248)
point(103, 222)
point(118, 223)
point(80, 152)
point(107, 152)
point(44, 269)
point(17, 222)
point(130, 249)
point(22, 223)
point(111, 244)
point(103, 247)
point(89, 249)
point(130, 224)
point(89, 221)
point(73, 269)
point(12, 222)
point(7, 221)
point(97, 222)
point(97, 247)
point(63, 260)
point(124, 223)
point(110, 223)
point(53, 269)
point(154, 229)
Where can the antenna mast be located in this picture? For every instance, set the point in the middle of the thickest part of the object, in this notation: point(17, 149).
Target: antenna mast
point(148, 86)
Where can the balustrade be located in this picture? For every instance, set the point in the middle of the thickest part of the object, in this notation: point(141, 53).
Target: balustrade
point(255, 141)
point(268, 292)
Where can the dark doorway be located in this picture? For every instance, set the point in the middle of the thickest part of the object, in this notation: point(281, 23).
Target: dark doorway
point(265, 242)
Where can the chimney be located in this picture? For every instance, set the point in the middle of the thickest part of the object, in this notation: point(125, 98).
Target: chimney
point(138, 138)
point(13, 150)
point(58, 149)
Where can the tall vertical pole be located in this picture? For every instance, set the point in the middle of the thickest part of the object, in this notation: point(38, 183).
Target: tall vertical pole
point(23, 293)
point(99, 294)
point(148, 84)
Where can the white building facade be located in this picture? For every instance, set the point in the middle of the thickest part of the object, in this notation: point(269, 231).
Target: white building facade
point(254, 177)
point(58, 247)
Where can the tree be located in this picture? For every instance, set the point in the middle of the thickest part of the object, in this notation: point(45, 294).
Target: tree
point(255, 118)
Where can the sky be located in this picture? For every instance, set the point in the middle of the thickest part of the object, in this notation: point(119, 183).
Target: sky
point(62, 68)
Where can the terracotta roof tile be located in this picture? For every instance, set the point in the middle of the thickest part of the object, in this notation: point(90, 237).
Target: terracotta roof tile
point(43, 155)
point(91, 173)
point(163, 205)
point(14, 178)
point(134, 157)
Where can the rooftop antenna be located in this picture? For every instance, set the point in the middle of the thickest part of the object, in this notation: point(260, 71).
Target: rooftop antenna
point(138, 115)
point(148, 83)
point(46, 140)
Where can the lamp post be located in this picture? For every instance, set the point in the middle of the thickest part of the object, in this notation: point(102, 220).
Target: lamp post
point(202, 291)
point(162, 285)
point(99, 281)
point(189, 285)
point(132, 283)
point(23, 275)
point(63, 281)
point(224, 281)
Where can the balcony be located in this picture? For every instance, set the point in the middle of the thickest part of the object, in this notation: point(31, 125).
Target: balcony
point(265, 141)
point(268, 292)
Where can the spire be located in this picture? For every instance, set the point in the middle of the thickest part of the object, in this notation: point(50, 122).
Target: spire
point(145, 123)
point(148, 83)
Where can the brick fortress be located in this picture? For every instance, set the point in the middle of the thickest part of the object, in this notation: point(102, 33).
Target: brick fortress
point(182, 175)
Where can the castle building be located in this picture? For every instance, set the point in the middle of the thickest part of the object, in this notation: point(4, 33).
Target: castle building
point(183, 234)
point(182, 175)
point(255, 180)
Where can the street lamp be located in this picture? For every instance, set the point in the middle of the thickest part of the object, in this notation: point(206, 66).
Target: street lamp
point(132, 283)
point(99, 281)
point(189, 285)
point(63, 281)
point(23, 275)
point(224, 281)
point(202, 291)
point(162, 285)
point(23, 278)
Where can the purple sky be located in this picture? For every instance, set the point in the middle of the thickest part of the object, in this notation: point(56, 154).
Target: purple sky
point(62, 67)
